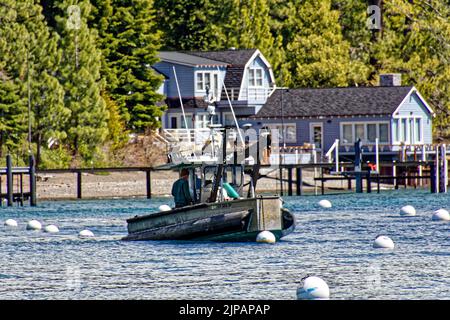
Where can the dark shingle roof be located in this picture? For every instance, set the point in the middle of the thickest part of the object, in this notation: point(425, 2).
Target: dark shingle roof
point(188, 59)
point(350, 101)
point(234, 57)
point(187, 103)
point(237, 60)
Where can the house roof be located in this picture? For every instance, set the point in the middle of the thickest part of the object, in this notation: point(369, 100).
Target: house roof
point(234, 57)
point(188, 59)
point(192, 102)
point(351, 101)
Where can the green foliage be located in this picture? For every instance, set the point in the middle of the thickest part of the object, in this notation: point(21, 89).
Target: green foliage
point(79, 74)
point(117, 132)
point(58, 158)
point(130, 40)
point(317, 55)
point(188, 24)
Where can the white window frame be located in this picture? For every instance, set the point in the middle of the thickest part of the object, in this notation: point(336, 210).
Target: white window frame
point(365, 138)
point(278, 126)
point(408, 139)
point(311, 132)
point(180, 119)
point(255, 79)
point(213, 86)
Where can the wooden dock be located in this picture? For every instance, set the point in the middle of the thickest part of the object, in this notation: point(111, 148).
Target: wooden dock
point(412, 173)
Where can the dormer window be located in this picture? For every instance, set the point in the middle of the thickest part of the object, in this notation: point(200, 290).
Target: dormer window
point(255, 77)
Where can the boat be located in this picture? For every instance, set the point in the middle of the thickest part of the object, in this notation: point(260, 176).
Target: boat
point(222, 211)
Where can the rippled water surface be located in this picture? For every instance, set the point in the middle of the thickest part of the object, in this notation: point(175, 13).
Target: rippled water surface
point(335, 244)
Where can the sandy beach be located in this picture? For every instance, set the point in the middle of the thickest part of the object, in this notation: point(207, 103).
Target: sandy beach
point(133, 184)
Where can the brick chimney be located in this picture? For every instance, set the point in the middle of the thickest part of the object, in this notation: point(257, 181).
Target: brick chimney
point(390, 80)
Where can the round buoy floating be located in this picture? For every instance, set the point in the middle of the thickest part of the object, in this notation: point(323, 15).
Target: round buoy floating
point(164, 207)
point(408, 211)
point(383, 242)
point(11, 223)
point(51, 229)
point(266, 237)
point(325, 204)
point(86, 234)
point(441, 215)
point(313, 288)
point(34, 225)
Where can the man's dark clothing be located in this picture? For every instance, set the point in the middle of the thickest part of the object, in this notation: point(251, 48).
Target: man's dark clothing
point(180, 191)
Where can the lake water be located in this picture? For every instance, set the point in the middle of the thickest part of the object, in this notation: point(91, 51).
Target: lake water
point(335, 244)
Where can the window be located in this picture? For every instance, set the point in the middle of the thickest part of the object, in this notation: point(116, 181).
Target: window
point(384, 133)
point(255, 77)
point(208, 81)
point(200, 81)
point(290, 132)
point(347, 133)
point(408, 130)
point(418, 129)
point(259, 78)
point(359, 132)
point(367, 132)
point(404, 136)
point(173, 123)
point(372, 132)
point(228, 119)
point(395, 128)
point(201, 120)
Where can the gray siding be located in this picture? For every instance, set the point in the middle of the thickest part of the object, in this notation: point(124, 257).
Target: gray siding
point(413, 106)
point(185, 75)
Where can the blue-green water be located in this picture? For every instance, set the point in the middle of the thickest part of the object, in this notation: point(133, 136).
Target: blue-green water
point(335, 244)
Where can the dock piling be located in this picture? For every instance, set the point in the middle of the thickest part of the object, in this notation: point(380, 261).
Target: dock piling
point(9, 181)
point(79, 180)
point(299, 181)
point(32, 176)
point(149, 183)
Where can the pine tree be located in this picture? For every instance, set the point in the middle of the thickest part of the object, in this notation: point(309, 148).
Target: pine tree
point(33, 65)
point(80, 76)
point(189, 24)
point(416, 43)
point(129, 42)
point(317, 55)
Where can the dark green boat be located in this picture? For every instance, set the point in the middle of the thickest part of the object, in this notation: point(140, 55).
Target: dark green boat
point(214, 217)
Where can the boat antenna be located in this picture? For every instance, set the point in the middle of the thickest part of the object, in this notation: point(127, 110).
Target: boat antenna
point(181, 100)
point(232, 110)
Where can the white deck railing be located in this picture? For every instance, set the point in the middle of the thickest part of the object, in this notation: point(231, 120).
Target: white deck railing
point(249, 94)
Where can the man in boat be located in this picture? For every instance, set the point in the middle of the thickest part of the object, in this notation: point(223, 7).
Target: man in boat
point(180, 190)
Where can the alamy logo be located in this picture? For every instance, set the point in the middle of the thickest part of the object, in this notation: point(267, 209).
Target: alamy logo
point(374, 19)
point(73, 278)
point(74, 18)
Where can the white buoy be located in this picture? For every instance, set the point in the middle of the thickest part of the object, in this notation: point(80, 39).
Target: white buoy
point(164, 207)
point(313, 288)
point(383, 242)
point(11, 223)
point(266, 237)
point(51, 229)
point(441, 215)
point(325, 204)
point(408, 211)
point(34, 225)
point(86, 234)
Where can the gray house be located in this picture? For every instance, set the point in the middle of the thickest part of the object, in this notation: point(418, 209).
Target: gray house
point(396, 115)
point(244, 75)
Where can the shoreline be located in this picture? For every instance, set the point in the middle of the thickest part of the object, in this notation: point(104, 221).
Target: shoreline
point(132, 185)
